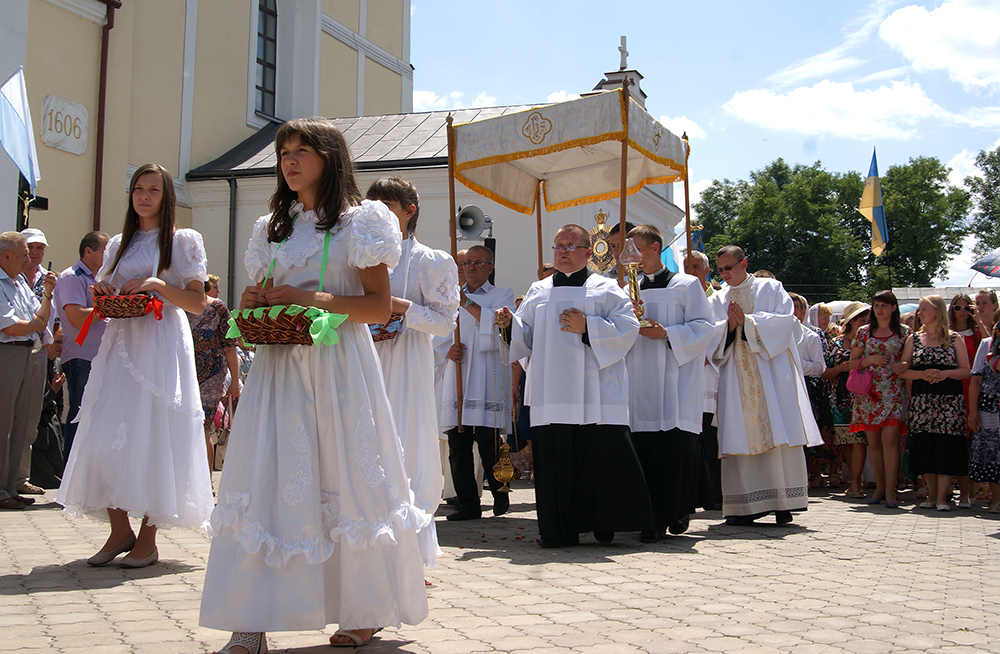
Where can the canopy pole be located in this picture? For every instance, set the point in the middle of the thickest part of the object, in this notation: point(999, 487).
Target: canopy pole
point(459, 400)
point(622, 232)
point(538, 213)
point(687, 194)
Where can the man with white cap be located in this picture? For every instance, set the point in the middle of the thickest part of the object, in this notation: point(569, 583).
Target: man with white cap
point(22, 316)
point(34, 275)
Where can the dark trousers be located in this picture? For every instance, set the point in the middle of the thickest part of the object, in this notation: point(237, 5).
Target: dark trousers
point(463, 470)
point(710, 448)
point(77, 372)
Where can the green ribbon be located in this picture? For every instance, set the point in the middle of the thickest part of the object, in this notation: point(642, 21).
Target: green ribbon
point(324, 326)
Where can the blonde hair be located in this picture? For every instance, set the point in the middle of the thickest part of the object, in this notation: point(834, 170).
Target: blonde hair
point(823, 310)
point(939, 305)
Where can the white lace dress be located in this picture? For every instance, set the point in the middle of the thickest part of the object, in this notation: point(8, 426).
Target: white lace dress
point(140, 445)
point(429, 280)
point(315, 522)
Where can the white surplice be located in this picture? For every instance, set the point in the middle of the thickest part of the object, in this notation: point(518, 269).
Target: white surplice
point(485, 373)
point(764, 412)
point(666, 384)
point(429, 280)
point(576, 385)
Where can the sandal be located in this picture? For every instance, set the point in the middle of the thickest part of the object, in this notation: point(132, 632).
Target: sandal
point(855, 494)
point(994, 508)
point(357, 641)
point(254, 643)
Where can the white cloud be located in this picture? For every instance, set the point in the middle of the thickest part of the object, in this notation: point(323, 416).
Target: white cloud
point(959, 271)
point(562, 96)
point(892, 73)
point(682, 124)
point(427, 101)
point(837, 109)
point(695, 189)
point(959, 36)
point(836, 59)
point(962, 165)
point(484, 100)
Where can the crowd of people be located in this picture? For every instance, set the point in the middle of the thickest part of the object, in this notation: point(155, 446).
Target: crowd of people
point(631, 412)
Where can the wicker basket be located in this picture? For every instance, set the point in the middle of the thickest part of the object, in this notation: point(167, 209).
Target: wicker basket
point(285, 325)
point(387, 331)
point(128, 306)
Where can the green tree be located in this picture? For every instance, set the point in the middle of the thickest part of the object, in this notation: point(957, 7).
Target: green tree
point(985, 190)
point(802, 224)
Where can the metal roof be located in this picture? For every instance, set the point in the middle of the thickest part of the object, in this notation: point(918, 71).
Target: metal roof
point(376, 142)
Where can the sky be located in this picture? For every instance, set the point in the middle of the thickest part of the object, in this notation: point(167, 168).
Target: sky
point(748, 81)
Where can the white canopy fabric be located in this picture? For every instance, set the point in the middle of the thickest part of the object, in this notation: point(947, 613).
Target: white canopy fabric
point(575, 147)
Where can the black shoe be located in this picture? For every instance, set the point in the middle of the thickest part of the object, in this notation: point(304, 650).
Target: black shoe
point(466, 514)
point(782, 517)
point(680, 526)
point(501, 504)
point(604, 537)
point(739, 521)
point(568, 541)
point(651, 536)
point(452, 501)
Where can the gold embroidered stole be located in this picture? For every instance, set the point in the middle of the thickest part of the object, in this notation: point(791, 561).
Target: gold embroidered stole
point(755, 415)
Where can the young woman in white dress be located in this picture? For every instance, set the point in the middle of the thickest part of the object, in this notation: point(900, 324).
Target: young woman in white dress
point(425, 292)
point(316, 522)
point(140, 448)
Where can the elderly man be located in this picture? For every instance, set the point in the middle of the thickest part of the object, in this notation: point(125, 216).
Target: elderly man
point(764, 416)
point(22, 317)
point(576, 328)
point(34, 275)
point(485, 387)
point(696, 265)
point(74, 304)
point(666, 379)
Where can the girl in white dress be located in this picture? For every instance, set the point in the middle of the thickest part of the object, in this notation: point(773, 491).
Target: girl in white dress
point(316, 522)
point(139, 448)
point(425, 291)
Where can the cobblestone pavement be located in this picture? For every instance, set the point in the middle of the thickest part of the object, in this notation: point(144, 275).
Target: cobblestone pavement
point(845, 577)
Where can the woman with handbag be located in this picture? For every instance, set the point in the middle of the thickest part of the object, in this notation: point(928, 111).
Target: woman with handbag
point(852, 444)
point(937, 362)
point(214, 355)
point(881, 413)
point(139, 449)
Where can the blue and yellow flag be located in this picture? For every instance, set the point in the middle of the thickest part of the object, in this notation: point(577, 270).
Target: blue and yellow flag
point(871, 208)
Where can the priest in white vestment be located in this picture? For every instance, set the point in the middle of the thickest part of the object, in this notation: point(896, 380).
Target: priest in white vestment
point(666, 379)
point(764, 413)
point(486, 388)
point(576, 328)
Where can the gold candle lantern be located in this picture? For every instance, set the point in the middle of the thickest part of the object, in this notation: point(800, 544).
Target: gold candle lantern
point(632, 260)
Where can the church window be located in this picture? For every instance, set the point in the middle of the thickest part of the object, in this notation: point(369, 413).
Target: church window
point(267, 42)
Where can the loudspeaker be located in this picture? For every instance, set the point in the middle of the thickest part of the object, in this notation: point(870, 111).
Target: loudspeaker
point(471, 221)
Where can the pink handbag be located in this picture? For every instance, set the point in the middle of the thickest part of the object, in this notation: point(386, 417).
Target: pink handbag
point(858, 382)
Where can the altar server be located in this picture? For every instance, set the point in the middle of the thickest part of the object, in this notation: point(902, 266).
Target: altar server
point(577, 327)
point(764, 411)
point(666, 379)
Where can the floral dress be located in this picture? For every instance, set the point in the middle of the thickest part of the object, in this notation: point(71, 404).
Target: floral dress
point(885, 406)
point(208, 330)
point(937, 414)
point(841, 399)
point(984, 458)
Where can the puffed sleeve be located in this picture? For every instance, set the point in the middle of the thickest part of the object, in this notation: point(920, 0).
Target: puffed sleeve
point(375, 237)
point(438, 277)
point(258, 256)
point(110, 252)
point(188, 262)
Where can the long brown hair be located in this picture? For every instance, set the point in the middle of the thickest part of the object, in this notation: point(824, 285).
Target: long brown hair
point(886, 297)
point(338, 190)
point(168, 216)
point(953, 316)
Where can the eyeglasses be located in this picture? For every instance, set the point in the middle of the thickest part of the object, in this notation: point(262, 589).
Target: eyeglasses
point(966, 309)
point(723, 269)
point(473, 264)
point(569, 247)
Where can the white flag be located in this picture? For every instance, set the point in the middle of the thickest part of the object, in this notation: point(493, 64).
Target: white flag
point(16, 132)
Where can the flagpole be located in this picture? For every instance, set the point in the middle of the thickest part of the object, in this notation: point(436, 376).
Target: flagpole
point(459, 399)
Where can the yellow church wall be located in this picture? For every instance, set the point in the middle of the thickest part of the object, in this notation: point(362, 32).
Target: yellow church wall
point(383, 92)
point(384, 26)
point(338, 82)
